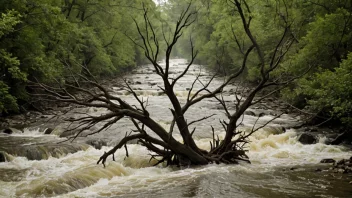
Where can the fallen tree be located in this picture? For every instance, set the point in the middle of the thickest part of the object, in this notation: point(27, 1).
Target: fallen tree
point(164, 147)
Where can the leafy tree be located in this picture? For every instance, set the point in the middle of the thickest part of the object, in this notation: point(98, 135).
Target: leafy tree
point(9, 65)
point(325, 45)
point(219, 36)
point(56, 38)
point(331, 91)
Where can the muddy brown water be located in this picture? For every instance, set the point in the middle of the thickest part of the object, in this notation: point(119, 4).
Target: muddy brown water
point(281, 166)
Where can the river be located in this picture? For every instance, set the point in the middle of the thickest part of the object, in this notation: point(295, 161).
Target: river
point(281, 166)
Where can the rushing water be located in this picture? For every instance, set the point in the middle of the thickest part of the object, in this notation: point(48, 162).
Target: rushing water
point(281, 166)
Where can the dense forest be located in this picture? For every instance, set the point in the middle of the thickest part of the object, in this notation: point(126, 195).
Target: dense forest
point(49, 41)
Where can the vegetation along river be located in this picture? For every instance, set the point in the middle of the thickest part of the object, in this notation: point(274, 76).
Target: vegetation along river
point(38, 166)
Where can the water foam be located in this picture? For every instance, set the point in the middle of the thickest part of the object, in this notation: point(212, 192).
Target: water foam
point(34, 132)
point(285, 150)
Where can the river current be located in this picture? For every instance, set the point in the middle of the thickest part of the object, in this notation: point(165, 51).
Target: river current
point(281, 166)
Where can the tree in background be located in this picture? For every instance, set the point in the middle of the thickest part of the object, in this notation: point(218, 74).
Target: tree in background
point(321, 29)
point(45, 40)
point(325, 47)
point(9, 67)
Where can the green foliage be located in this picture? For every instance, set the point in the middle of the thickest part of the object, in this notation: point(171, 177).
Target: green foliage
point(8, 21)
point(9, 65)
point(327, 42)
point(324, 48)
point(46, 40)
point(331, 91)
point(7, 101)
point(220, 37)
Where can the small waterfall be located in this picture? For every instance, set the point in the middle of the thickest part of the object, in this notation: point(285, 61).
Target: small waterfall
point(34, 145)
point(57, 184)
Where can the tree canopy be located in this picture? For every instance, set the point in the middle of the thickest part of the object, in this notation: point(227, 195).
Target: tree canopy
point(46, 40)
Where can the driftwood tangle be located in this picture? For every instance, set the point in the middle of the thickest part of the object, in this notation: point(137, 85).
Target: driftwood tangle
point(165, 148)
